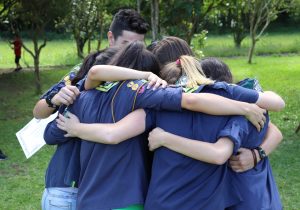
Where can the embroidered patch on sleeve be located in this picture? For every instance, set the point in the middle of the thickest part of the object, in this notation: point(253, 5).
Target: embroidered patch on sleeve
point(106, 86)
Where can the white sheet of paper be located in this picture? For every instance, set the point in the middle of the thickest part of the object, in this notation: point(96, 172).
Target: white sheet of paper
point(31, 136)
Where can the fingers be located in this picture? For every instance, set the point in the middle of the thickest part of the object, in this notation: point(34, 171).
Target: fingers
point(151, 83)
point(67, 95)
point(156, 82)
point(74, 89)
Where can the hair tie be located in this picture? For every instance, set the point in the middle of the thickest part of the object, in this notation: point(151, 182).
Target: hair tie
point(178, 63)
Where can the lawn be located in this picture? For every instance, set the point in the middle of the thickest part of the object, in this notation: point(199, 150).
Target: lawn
point(270, 43)
point(63, 52)
point(22, 180)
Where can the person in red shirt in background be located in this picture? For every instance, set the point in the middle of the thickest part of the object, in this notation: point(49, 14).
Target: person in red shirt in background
point(17, 50)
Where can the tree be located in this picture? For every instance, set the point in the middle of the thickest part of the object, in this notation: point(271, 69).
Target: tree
point(35, 17)
point(5, 7)
point(138, 6)
point(236, 17)
point(85, 16)
point(154, 18)
point(185, 18)
point(261, 13)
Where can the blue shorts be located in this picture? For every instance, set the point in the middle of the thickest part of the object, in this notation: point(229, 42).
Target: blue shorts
point(56, 198)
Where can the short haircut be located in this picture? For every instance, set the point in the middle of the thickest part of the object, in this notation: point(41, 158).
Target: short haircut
point(129, 20)
point(134, 55)
point(216, 69)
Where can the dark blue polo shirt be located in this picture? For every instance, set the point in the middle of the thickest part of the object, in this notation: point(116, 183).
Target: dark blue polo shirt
point(180, 182)
point(257, 186)
point(115, 176)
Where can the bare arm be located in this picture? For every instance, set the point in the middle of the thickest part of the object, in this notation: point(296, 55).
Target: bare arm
point(244, 160)
point(214, 153)
point(111, 133)
point(218, 105)
point(100, 73)
point(66, 95)
point(270, 101)
point(41, 110)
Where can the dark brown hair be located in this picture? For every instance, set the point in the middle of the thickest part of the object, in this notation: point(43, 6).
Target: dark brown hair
point(216, 69)
point(134, 55)
point(170, 49)
point(87, 63)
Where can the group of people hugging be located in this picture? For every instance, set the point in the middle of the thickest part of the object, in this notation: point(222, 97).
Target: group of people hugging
point(156, 128)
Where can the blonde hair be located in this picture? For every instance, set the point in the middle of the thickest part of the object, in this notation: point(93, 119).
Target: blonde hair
point(185, 66)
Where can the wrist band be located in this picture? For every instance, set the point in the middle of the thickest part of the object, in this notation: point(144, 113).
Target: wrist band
point(254, 157)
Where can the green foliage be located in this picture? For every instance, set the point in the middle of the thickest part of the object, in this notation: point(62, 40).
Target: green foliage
point(199, 40)
point(184, 19)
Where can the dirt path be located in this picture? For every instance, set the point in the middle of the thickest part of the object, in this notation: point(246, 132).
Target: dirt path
point(26, 69)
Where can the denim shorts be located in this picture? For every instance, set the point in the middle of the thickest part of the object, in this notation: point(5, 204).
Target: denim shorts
point(56, 198)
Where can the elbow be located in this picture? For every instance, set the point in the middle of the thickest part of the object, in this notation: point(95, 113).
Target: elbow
point(280, 105)
point(111, 137)
point(279, 136)
point(220, 160)
point(220, 157)
point(188, 101)
point(36, 114)
point(92, 72)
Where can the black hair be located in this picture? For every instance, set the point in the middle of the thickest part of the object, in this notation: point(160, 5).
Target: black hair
point(216, 69)
point(94, 58)
point(106, 56)
point(153, 44)
point(134, 55)
point(129, 20)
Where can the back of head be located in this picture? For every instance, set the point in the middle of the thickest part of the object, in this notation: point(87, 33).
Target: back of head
point(170, 49)
point(134, 55)
point(185, 71)
point(104, 57)
point(87, 63)
point(216, 69)
point(128, 20)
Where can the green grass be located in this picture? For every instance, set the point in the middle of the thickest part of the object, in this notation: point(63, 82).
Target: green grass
point(63, 52)
point(56, 53)
point(270, 43)
point(22, 180)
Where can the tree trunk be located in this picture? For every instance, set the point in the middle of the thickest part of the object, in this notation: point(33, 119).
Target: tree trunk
point(89, 46)
point(238, 38)
point(251, 51)
point(80, 45)
point(138, 6)
point(37, 74)
point(36, 61)
point(154, 18)
point(101, 32)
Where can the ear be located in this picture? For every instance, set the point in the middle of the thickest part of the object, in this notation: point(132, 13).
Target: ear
point(111, 39)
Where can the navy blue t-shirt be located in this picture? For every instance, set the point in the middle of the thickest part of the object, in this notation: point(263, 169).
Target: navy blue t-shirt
point(115, 176)
point(180, 182)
